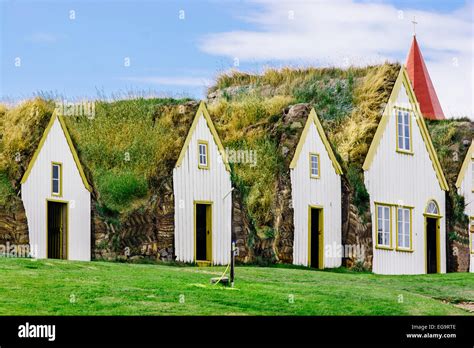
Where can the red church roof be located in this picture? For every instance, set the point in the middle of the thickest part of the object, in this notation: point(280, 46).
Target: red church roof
point(422, 85)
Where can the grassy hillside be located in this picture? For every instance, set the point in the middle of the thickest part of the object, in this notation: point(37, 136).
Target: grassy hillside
point(252, 113)
point(54, 287)
point(127, 148)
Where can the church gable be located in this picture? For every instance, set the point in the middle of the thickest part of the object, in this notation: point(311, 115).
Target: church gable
point(403, 110)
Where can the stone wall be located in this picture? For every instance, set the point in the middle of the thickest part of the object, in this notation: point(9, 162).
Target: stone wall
point(144, 233)
point(13, 226)
point(458, 250)
point(356, 230)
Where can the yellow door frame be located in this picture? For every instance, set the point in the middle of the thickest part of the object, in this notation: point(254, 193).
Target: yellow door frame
point(209, 205)
point(438, 218)
point(321, 235)
point(438, 254)
point(66, 223)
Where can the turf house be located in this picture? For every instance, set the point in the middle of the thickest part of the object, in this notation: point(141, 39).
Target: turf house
point(202, 196)
point(56, 197)
point(269, 153)
point(316, 198)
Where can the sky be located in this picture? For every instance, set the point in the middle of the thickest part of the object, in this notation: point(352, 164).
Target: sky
point(91, 49)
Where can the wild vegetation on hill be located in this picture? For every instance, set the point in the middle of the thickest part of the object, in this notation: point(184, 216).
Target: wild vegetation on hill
point(249, 111)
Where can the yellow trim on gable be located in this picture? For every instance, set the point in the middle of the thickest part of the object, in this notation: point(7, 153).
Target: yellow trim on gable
point(313, 117)
point(403, 79)
point(203, 110)
point(468, 159)
point(71, 147)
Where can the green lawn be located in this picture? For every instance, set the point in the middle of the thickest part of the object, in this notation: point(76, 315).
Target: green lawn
point(47, 287)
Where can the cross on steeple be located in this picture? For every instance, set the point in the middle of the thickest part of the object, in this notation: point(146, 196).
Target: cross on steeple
point(414, 25)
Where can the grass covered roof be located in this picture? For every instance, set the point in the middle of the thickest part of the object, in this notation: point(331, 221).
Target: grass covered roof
point(128, 148)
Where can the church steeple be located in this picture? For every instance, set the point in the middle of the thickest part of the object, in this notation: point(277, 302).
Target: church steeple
point(422, 85)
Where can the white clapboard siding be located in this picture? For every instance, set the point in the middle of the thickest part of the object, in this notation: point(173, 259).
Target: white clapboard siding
point(465, 188)
point(192, 184)
point(37, 189)
point(324, 192)
point(408, 180)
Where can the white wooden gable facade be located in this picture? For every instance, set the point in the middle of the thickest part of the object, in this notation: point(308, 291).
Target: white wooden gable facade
point(201, 177)
point(55, 177)
point(407, 190)
point(316, 185)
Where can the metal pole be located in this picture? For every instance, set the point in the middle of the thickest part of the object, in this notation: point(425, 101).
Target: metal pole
point(232, 260)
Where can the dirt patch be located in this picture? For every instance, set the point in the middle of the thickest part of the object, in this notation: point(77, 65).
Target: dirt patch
point(467, 306)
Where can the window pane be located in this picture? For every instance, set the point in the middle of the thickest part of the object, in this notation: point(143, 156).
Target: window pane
point(202, 154)
point(400, 142)
point(55, 171)
point(55, 186)
point(472, 175)
point(406, 118)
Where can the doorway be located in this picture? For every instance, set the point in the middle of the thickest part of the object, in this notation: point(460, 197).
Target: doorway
point(203, 231)
point(57, 230)
point(432, 245)
point(316, 238)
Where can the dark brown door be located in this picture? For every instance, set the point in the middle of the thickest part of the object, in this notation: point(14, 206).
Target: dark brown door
point(57, 230)
point(431, 242)
point(315, 238)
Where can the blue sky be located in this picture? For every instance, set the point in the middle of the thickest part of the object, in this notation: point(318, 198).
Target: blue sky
point(43, 49)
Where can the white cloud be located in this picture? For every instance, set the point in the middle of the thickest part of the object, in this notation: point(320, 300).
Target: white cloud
point(42, 38)
point(172, 80)
point(344, 32)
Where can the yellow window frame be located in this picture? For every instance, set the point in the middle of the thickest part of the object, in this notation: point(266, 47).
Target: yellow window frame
point(206, 143)
point(471, 229)
point(60, 186)
point(410, 129)
point(472, 174)
point(397, 247)
point(389, 206)
point(311, 175)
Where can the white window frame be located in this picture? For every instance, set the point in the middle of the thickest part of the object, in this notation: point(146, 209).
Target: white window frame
point(318, 168)
point(386, 210)
point(58, 179)
point(404, 228)
point(406, 116)
point(203, 158)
